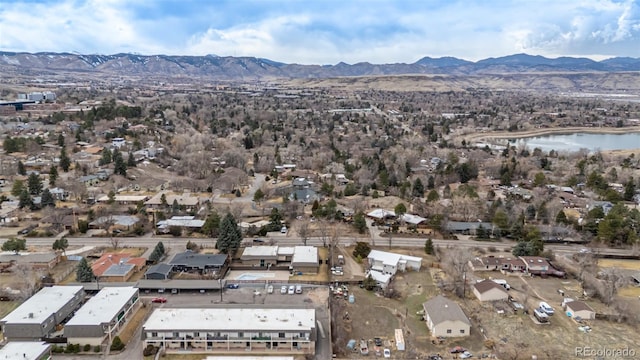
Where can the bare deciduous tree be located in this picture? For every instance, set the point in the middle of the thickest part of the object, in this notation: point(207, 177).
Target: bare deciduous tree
point(303, 231)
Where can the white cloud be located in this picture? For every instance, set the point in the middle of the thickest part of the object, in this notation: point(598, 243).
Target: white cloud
point(328, 31)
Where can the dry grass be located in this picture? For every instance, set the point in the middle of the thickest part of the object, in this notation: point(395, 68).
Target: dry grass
point(622, 264)
point(134, 323)
point(631, 291)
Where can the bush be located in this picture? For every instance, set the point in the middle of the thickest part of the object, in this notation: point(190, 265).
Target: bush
point(175, 230)
point(149, 350)
point(83, 226)
point(362, 250)
point(57, 349)
point(117, 344)
point(97, 349)
point(86, 348)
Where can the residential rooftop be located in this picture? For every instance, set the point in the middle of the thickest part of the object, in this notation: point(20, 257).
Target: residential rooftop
point(104, 306)
point(24, 350)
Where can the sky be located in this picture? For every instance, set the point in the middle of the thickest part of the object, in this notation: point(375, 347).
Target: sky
point(325, 31)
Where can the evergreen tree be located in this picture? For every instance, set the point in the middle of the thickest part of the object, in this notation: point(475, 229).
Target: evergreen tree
point(21, 170)
point(418, 188)
point(431, 182)
point(359, 222)
point(34, 184)
point(16, 189)
point(211, 224)
point(65, 162)
point(47, 199)
point(53, 175)
point(131, 160)
point(84, 272)
point(106, 157)
point(629, 190)
point(60, 140)
point(120, 167)
point(230, 236)
point(428, 247)
point(25, 200)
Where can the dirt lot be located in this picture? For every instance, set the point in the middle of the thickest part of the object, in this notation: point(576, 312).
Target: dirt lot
point(519, 337)
point(621, 264)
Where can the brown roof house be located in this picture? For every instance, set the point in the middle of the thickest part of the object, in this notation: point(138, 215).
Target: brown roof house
point(580, 309)
point(488, 290)
point(445, 318)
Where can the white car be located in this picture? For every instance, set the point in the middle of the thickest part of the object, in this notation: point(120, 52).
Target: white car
point(270, 289)
point(386, 353)
point(546, 308)
point(466, 355)
point(292, 290)
point(283, 289)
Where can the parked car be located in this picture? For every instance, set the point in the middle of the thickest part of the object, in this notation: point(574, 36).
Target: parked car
point(232, 286)
point(258, 241)
point(283, 230)
point(466, 355)
point(458, 349)
point(386, 353)
point(292, 290)
point(159, 300)
point(377, 341)
point(546, 308)
point(298, 289)
point(283, 289)
point(270, 289)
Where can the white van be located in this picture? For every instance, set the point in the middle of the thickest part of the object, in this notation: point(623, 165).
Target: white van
point(298, 289)
point(546, 308)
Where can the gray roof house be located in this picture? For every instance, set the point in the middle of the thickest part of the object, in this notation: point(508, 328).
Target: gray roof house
point(159, 272)
point(445, 318)
point(203, 263)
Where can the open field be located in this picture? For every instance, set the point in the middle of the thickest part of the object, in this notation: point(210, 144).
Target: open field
point(631, 291)
point(622, 264)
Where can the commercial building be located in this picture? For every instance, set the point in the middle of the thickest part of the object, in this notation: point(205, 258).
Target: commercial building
point(25, 350)
point(445, 318)
point(213, 264)
point(102, 315)
point(232, 330)
point(38, 317)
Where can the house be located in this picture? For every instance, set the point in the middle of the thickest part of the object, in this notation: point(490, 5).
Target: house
point(102, 315)
point(413, 220)
point(297, 258)
point(159, 272)
point(381, 214)
point(26, 350)
point(302, 191)
point(183, 222)
point(38, 317)
point(89, 180)
point(124, 199)
point(59, 193)
point(184, 201)
point(246, 330)
point(487, 290)
point(390, 263)
point(382, 280)
point(466, 227)
point(488, 263)
point(38, 261)
point(580, 309)
point(535, 264)
point(121, 222)
point(117, 142)
point(445, 318)
point(117, 266)
point(189, 261)
point(606, 206)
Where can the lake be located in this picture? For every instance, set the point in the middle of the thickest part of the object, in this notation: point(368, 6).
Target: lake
point(577, 141)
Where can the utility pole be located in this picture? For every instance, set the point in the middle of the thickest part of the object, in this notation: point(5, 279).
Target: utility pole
point(220, 282)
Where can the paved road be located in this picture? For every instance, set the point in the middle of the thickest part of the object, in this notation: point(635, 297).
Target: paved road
point(150, 241)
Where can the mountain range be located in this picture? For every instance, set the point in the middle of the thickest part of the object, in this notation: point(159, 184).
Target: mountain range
point(234, 68)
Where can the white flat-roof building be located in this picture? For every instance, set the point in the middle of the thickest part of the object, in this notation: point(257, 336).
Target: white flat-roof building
point(390, 263)
point(37, 317)
point(232, 330)
point(25, 350)
point(102, 315)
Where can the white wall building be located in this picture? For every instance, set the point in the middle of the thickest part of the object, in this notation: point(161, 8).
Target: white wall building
point(25, 350)
point(102, 315)
point(232, 330)
point(390, 263)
